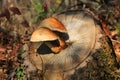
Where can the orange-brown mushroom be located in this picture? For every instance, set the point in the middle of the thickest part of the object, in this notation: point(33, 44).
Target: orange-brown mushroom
point(57, 49)
point(53, 24)
point(43, 35)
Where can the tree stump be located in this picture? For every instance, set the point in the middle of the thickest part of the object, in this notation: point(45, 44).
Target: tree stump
point(102, 64)
point(91, 58)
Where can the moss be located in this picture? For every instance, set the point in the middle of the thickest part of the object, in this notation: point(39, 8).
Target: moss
point(101, 67)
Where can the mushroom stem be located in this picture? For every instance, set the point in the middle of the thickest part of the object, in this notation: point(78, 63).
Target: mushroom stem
point(57, 49)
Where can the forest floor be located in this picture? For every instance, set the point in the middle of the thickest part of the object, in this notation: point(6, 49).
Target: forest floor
point(17, 24)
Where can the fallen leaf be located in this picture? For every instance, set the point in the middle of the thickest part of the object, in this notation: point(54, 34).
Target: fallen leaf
point(15, 10)
point(25, 23)
point(2, 49)
point(117, 50)
point(15, 50)
point(6, 14)
point(2, 56)
point(104, 26)
point(114, 34)
point(45, 8)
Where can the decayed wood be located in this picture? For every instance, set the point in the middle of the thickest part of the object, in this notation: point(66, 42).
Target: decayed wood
point(93, 57)
point(82, 41)
point(81, 32)
point(101, 64)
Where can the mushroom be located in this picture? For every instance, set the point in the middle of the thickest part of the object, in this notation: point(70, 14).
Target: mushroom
point(53, 24)
point(56, 26)
point(44, 34)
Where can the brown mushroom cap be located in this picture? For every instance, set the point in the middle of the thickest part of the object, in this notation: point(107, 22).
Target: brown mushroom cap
point(53, 24)
point(43, 34)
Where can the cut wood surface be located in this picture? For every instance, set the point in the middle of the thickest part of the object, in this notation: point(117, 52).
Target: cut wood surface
point(88, 44)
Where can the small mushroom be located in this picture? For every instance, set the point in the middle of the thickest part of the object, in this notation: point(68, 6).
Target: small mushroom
point(53, 24)
point(46, 35)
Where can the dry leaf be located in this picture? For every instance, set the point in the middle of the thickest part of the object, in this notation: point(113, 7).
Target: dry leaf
point(15, 10)
point(2, 49)
point(6, 14)
point(25, 23)
point(104, 26)
point(2, 56)
point(117, 50)
point(114, 34)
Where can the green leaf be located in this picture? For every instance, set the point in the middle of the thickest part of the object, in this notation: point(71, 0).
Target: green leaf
point(19, 73)
point(118, 27)
point(38, 19)
point(21, 51)
point(38, 7)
